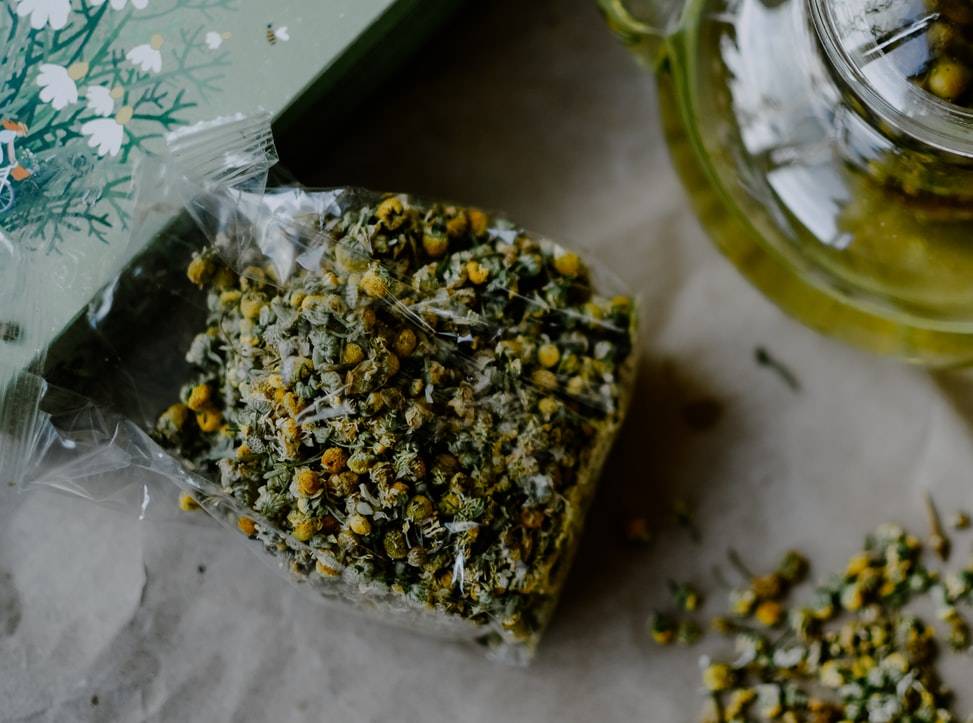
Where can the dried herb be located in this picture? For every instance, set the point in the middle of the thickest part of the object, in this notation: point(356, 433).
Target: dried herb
point(685, 596)
point(685, 516)
point(938, 540)
point(764, 359)
point(852, 653)
point(960, 521)
point(418, 417)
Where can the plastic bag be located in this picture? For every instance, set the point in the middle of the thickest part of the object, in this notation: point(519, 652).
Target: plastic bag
point(405, 405)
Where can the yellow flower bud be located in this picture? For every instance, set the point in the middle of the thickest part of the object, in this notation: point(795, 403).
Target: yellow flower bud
point(576, 386)
point(532, 518)
point(544, 379)
point(857, 564)
point(310, 301)
point(353, 354)
point(334, 459)
point(477, 272)
point(359, 524)
point(199, 270)
point(391, 213)
point(199, 397)
point(457, 225)
point(738, 702)
point(187, 503)
point(548, 355)
point(209, 419)
point(247, 526)
point(435, 245)
point(308, 482)
point(405, 342)
point(304, 530)
point(230, 297)
point(548, 407)
point(326, 569)
point(373, 284)
point(253, 277)
point(769, 613)
point(368, 317)
point(478, 221)
point(663, 636)
point(568, 264)
point(250, 305)
point(174, 417)
point(292, 403)
point(717, 677)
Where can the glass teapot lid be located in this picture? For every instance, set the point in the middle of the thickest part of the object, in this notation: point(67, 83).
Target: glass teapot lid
point(882, 52)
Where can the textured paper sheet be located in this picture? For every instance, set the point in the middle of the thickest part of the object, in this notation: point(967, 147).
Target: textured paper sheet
point(538, 112)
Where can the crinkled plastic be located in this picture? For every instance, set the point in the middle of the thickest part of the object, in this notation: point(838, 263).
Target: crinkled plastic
point(405, 405)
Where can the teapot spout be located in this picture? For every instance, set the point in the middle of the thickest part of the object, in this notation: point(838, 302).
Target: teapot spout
point(642, 24)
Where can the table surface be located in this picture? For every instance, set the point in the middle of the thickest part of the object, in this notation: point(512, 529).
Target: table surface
point(532, 108)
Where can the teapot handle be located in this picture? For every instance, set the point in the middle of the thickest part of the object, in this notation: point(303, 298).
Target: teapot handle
point(642, 24)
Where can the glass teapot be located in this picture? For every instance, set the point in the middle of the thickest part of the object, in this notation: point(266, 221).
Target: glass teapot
point(827, 146)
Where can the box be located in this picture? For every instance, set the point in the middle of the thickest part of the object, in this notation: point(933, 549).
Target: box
point(89, 85)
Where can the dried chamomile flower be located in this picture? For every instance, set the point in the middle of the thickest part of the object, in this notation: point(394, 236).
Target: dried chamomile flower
point(960, 521)
point(662, 628)
point(854, 653)
point(688, 632)
point(686, 597)
point(188, 503)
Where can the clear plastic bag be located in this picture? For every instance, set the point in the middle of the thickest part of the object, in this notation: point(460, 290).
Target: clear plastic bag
point(405, 405)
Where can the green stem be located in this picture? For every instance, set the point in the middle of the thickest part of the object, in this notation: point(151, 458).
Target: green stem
point(203, 7)
point(88, 28)
point(109, 39)
point(161, 77)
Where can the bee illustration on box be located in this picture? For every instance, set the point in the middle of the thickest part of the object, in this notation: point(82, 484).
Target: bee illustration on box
point(279, 34)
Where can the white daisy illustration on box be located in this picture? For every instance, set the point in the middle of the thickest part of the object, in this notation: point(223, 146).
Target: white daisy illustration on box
point(45, 12)
point(106, 134)
point(214, 39)
point(148, 57)
point(87, 83)
point(100, 99)
point(59, 85)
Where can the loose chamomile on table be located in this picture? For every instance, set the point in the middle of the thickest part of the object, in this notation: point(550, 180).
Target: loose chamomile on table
point(853, 651)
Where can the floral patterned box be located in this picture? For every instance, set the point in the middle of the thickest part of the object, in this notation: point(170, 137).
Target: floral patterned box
point(87, 85)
